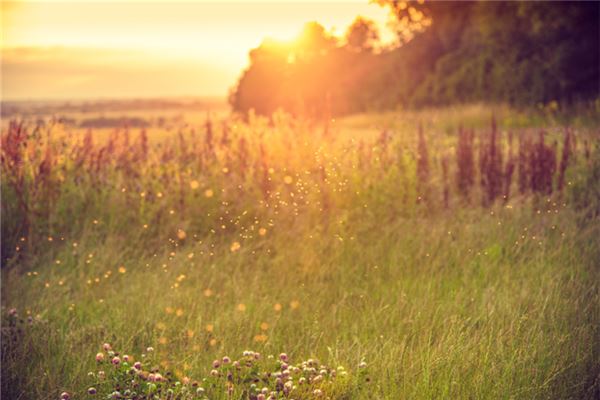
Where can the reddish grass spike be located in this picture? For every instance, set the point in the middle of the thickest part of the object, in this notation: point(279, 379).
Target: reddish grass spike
point(490, 165)
point(446, 188)
point(564, 160)
point(524, 153)
point(465, 160)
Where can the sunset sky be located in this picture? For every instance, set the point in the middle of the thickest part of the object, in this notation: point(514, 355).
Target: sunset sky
point(91, 49)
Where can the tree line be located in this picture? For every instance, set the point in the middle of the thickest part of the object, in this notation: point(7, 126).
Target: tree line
point(521, 53)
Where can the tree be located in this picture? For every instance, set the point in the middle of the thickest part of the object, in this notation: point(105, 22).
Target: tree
point(521, 53)
point(362, 35)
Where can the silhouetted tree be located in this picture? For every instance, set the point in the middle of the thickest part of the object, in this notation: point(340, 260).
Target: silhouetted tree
point(362, 35)
point(519, 52)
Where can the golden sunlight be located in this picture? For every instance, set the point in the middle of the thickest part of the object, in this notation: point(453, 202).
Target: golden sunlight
point(75, 49)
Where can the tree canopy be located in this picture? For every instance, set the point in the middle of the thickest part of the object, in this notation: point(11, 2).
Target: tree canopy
point(521, 53)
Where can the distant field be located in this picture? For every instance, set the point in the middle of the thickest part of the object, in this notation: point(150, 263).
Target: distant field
point(415, 255)
point(161, 118)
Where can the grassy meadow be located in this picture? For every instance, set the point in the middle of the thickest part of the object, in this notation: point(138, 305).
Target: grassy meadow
point(361, 258)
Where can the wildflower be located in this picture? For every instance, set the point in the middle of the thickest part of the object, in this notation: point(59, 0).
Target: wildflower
point(318, 392)
point(200, 391)
point(126, 358)
point(65, 396)
point(194, 184)
point(101, 375)
point(283, 357)
point(277, 307)
point(208, 193)
point(241, 307)
point(149, 349)
point(362, 365)
point(260, 338)
point(214, 372)
point(264, 326)
point(216, 364)
point(294, 304)
point(262, 231)
point(100, 357)
point(288, 180)
point(235, 246)
point(181, 234)
point(260, 397)
point(106, 347)
point(12, 312)
point(226, 360)
point(92, 391)
point(122, 269)
point(116, 360)
point(137, 365)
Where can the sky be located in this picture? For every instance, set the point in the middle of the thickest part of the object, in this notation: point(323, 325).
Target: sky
point(132, 49)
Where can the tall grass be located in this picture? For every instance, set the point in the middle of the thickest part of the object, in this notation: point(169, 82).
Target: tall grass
point(408, 251)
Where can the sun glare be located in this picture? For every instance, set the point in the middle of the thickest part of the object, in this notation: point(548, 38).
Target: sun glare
point(215, 35)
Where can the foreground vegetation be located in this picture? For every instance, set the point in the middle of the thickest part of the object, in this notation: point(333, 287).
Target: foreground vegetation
point(381, 257)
